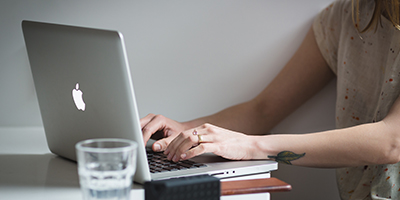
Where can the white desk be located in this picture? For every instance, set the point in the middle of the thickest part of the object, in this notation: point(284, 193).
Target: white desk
point(28, 170)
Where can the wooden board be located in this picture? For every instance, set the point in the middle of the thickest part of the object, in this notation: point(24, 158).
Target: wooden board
point(254, 186)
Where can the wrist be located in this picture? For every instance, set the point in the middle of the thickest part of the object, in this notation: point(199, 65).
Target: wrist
point(260, 147)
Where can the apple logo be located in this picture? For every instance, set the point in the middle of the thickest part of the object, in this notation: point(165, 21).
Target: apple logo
point(77, 96)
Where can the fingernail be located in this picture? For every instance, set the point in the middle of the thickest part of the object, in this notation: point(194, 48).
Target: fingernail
point(175, 159)
point(169, 156)
point(183, 156)
point(157, 147)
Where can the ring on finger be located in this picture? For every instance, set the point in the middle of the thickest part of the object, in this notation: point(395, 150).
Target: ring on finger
point(200, 138)
point(194, 132)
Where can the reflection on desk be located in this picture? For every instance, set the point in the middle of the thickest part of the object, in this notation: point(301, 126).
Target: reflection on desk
point(42, 176)
point(38, 177)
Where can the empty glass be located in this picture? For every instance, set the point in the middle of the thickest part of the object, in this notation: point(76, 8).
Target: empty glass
point(106, 168)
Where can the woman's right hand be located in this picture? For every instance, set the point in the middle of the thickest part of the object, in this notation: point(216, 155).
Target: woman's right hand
point(159, 124)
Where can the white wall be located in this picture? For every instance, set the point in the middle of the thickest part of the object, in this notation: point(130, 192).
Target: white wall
point(188, 59)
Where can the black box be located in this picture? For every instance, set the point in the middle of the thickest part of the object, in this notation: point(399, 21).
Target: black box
point(192, 188)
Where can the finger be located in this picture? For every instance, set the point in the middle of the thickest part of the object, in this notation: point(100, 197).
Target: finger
point(198, 150)
point(145, 120)
point(170, 150)
point(146, 127)
point(180, 144)
point(175, 142)
point(203, 141)
point(162, 144)
point(156, 123)
point(183, 145)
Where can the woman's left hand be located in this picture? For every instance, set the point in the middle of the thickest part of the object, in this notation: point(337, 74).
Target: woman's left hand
point(209, 138)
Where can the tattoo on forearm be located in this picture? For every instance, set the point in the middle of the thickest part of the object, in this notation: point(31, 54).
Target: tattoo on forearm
point(286, 157)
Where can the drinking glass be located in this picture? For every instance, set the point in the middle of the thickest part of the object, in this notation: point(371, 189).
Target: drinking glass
point(106, 168)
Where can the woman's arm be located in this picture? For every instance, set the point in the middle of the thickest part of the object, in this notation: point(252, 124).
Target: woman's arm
point(372, 143)
point(303, 76)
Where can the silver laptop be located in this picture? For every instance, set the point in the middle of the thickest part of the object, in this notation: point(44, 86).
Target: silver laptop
point(84, 88)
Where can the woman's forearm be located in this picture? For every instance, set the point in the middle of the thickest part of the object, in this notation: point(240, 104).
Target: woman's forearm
point(374, 143)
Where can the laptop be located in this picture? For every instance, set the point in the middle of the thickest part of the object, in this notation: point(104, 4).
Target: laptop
point(84, 89)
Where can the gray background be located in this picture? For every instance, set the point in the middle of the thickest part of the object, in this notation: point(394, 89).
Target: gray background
point(188, 59)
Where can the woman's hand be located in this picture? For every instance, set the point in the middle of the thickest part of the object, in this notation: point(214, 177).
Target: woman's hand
point(209, 138)
point(168, 128)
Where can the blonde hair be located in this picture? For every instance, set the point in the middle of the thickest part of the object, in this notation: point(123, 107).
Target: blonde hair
point(390, 8)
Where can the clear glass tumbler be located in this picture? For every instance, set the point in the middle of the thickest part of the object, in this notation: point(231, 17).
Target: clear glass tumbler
point(106, 168)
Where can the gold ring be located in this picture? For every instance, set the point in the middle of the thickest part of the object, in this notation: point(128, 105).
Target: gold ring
point(200, 138)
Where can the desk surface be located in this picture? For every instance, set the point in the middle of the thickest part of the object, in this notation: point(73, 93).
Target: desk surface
point(28, 170)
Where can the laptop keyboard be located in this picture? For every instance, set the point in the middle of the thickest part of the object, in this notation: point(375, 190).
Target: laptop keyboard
point(158, 162)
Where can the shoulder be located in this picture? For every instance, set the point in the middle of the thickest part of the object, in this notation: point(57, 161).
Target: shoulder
point(336, 11)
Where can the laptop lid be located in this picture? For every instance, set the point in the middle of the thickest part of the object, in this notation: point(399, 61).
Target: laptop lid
point(84, 88)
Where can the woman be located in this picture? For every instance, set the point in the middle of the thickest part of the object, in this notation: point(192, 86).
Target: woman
point(359, 43)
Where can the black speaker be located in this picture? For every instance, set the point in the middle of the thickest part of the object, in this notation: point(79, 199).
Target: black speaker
point(184, 188)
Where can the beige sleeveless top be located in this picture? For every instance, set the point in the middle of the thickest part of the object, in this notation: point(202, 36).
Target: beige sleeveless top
point(368, 83)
